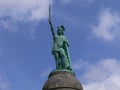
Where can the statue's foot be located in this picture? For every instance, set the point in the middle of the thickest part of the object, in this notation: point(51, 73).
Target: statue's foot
point(68, 68)
point(58, 67)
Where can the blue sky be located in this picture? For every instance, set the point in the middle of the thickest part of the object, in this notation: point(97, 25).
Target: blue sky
point(93, 30)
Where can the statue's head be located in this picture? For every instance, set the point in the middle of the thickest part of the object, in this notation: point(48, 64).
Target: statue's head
point(61, 30)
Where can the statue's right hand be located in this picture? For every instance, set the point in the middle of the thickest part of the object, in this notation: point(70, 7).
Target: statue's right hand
point(50, 22)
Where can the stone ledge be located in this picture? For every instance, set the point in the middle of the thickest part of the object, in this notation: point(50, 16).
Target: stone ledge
point(61, 71)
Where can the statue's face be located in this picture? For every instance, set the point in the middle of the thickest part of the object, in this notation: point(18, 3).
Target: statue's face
point(60, 32)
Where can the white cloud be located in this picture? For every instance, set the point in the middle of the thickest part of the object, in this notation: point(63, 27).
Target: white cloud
point(8, 25)
point(108, 27)
point(4, 85)
point(46, 72)
point(24, 9)
point(16, 14)
point(103, 75)
point(79, 65)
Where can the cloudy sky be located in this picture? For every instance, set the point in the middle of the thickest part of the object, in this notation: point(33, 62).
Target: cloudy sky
point(93, 30)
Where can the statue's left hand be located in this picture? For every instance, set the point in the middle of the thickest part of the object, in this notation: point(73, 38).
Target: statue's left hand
point(67, 44)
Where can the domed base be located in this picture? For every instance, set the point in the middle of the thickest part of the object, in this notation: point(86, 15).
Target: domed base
point(62, 80)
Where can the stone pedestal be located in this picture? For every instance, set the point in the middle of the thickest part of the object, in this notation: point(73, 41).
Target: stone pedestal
point(62, 80)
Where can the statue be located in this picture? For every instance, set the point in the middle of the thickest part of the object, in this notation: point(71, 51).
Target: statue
point(60, 47)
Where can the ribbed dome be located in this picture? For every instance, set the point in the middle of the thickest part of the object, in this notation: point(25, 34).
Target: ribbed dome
point(62, 80)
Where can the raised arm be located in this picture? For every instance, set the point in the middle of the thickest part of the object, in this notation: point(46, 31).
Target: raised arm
point(52, 29)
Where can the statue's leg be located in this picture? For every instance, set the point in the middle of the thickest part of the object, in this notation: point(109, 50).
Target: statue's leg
point(65, 63)
point(56, 56)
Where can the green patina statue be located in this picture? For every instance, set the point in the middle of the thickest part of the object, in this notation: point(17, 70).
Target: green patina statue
point(60, 47)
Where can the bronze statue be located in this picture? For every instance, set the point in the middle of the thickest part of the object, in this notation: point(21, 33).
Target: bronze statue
point(60, 47)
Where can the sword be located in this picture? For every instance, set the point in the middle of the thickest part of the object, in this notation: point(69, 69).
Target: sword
point(50, 15)
point(50, 22)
